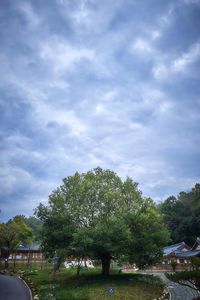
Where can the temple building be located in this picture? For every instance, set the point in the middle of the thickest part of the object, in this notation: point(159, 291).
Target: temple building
point(180, 253)
point(24, 253)
point(193, 252)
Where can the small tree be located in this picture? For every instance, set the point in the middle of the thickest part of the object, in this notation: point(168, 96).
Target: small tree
point(174, 265)
point(12, 234)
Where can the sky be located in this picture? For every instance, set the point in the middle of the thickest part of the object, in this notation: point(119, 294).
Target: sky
point(87, 83)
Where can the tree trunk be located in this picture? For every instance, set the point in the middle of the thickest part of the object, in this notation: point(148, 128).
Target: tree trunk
point(85, 264)
point(15, 260)
point(6, 258)
point(57, 265)
point(29, 258)
point(105, 261)
point(78, 270)
point(6, 264)
point(42, 263)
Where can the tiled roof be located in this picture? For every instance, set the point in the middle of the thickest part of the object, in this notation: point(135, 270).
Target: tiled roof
point(173, 248)
point(177, 250)
point(188, 254)
point(196, 244)
point(33, 247)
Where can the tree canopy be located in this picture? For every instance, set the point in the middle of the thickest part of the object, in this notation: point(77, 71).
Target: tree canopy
point(97, 214)
point(181, 215)
point(12, 233)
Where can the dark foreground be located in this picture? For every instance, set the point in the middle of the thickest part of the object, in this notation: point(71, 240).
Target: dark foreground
point(12, 288)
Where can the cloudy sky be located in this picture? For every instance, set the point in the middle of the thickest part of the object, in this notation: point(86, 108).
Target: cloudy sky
point(86, 83)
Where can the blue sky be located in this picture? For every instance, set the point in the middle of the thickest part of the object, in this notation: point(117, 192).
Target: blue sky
point(92, 83)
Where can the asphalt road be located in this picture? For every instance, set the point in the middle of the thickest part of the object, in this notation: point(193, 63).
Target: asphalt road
point(12, 288)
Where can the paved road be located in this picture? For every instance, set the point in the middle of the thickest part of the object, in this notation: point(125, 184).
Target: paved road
point(12, 288)
point(177, 291)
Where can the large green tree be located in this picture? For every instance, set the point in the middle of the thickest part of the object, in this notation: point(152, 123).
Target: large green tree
point(103, 217)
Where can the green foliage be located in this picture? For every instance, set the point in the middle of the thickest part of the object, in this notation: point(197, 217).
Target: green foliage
point(97, 214)
point(174, 265)
point(149, 234)
point(112, 237)
point(36, 225)
point(195, 261)
point(181, 215)
point(56, 233)
point(13, 233)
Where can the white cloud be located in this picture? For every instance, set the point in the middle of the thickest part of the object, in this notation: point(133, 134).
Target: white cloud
point(104, 101)
point(109, 95)
point(47, 113)
point(62, 56)
point(89, 16)
point(44, 113)
point(13, 179)
point(160, 71)
point(180, 65)
point(142, 45)
point(100, 108)
point(156, 34)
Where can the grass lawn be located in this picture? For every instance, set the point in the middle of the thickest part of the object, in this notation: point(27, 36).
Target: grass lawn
point(91, 286)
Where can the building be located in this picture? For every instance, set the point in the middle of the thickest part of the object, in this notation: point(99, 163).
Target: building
point(170, 255)
point(27, 253)
point(193, 252)
point(196, 244)
point(181, 253)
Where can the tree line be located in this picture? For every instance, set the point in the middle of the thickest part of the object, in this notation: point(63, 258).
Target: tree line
point(182, 215)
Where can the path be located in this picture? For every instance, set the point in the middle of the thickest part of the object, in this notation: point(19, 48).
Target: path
point(12, 288)
point(177, 291)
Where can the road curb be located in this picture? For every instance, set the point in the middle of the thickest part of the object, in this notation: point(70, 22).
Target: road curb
point(30, 293)
point(170, 295)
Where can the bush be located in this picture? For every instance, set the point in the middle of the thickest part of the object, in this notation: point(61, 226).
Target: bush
point(195, 261)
